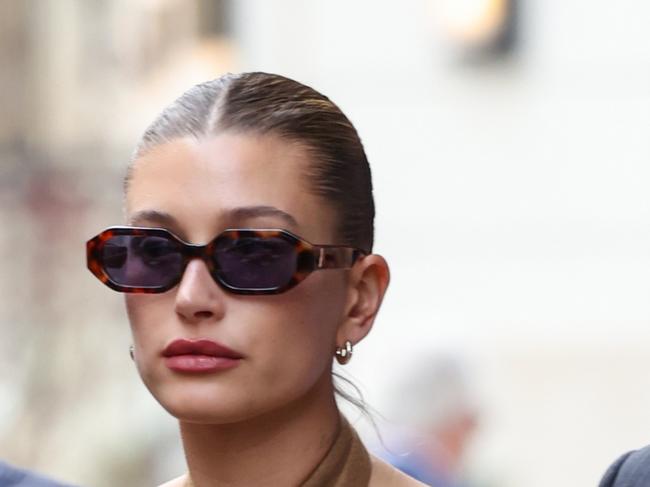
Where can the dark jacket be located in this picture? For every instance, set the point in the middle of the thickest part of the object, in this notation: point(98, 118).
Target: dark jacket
point(15, 477)
point(630, 470)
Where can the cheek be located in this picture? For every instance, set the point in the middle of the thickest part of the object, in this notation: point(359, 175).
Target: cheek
point(298, 343)
point(148, 316)
point(145, 310)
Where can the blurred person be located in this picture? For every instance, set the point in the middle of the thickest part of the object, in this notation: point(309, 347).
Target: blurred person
point(436, 415)
point(631, 469)
point(247, 266)
point(16, 477)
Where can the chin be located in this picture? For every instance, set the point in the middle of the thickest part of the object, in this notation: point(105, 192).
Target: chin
point(203, 416)
point(200, 406)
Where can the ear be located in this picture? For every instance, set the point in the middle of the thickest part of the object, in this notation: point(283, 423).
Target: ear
point(368, 282)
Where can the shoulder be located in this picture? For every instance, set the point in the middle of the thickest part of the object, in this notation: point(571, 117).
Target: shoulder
point(383, 474)
point(630, 470)
point(177, 482)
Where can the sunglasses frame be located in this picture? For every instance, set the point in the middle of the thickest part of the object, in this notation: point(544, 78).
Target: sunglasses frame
point(309, 257)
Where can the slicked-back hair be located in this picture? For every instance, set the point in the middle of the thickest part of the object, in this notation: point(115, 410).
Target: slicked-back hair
point(269, 104)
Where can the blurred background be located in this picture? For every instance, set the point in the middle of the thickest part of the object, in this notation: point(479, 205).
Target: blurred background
point(508, 140)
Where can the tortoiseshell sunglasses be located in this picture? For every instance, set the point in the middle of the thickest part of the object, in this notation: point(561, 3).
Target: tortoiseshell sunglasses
point(242, 261)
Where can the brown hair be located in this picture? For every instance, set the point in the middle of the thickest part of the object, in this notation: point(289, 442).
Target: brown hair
point(263, 103)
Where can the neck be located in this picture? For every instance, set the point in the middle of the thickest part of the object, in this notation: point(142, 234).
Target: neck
point(280, 447)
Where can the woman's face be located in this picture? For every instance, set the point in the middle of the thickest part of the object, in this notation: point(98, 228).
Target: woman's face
point(196, 189)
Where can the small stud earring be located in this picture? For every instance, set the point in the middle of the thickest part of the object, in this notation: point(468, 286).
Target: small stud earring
point(132, 352)
point(344, 354)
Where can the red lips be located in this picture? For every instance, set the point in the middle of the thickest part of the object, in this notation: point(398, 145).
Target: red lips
point(202, 346)
point(199, 356)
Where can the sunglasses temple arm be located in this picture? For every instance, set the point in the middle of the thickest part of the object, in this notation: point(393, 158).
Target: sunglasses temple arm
point(336, 257)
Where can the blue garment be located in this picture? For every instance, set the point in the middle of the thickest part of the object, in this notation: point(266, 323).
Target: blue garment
point(15, 477)
point(630, 470)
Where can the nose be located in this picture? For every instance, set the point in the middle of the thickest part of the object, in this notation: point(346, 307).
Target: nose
point(199, 297)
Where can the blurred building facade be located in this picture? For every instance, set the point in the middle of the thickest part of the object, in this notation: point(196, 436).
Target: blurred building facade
point(84, 80)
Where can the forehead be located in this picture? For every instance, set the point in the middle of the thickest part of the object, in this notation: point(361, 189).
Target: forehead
point(200, 182)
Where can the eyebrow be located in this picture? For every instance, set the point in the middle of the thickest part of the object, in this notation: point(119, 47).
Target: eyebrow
point(239, 213)
point(245, 212)
point(154, 216)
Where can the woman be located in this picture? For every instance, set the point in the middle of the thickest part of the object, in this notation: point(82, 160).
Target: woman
point(247, 267)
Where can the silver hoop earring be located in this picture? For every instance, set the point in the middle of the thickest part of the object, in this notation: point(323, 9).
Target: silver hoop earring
point(344, 354)
point(132, 352)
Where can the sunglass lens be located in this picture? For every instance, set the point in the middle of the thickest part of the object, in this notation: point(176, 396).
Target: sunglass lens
point(142, 260)
point(251, 262)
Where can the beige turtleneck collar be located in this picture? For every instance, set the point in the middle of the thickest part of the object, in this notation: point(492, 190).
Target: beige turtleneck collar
point(346, 464)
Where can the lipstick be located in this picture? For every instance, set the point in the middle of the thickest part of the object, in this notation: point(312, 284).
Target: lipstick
point(199, 356)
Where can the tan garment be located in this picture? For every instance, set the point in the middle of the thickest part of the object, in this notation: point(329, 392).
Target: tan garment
point(347, 463)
